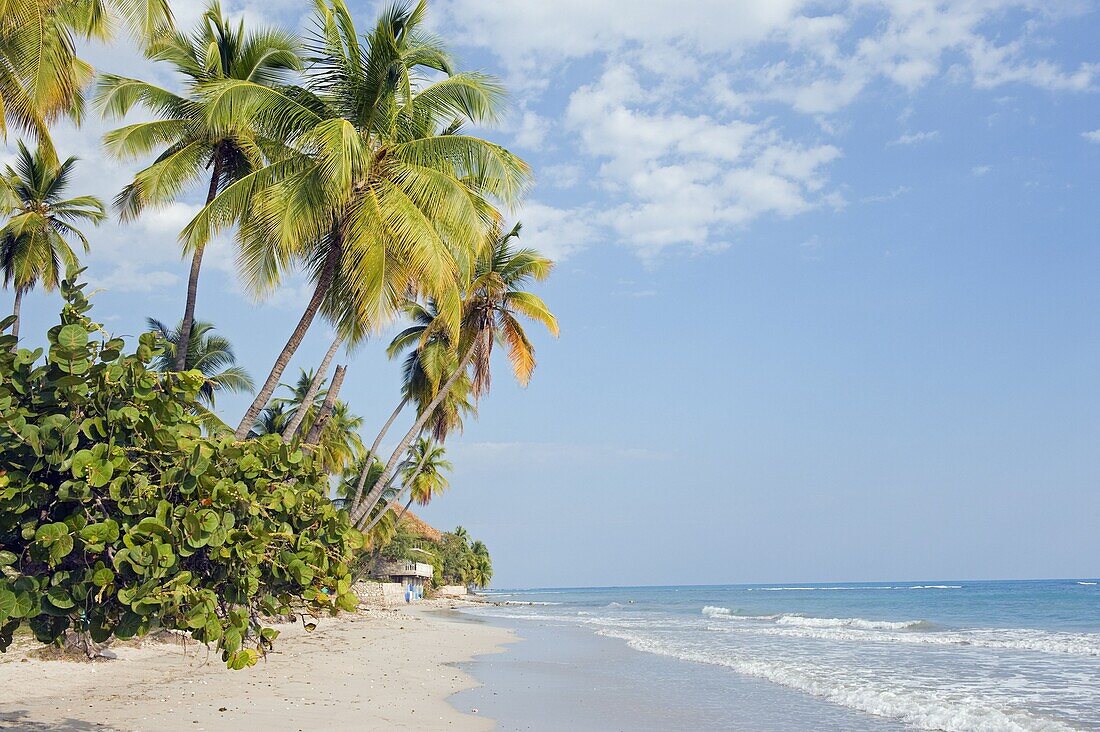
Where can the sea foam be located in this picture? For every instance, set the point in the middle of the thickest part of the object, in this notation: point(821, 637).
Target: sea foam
point(923, 708)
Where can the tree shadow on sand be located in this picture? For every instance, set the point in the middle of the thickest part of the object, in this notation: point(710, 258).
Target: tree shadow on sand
point(17, 720)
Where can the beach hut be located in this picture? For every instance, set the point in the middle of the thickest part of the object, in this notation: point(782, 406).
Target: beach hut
point(416, 571)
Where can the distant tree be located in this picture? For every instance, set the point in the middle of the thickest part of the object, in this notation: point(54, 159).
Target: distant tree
point(210, 354)
point(34, 243)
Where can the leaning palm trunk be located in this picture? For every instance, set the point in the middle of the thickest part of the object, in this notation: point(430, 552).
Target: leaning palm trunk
point(408, 486)
point(361, 485)
point(193, 278)
point(318, 426)
point(15, 312)
point(291, 430)
point(324, 282)
point(400, 516)
point(360, 511)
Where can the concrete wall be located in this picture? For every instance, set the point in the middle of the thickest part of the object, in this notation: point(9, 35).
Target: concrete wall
point(451, 591)
point(393, 593)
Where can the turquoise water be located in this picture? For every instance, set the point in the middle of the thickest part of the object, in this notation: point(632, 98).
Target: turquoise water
point(1022, 655)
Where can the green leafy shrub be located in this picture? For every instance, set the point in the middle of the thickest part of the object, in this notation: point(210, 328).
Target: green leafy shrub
point(117, 516)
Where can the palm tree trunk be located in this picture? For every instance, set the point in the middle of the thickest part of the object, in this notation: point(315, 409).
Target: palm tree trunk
point(314, 386)
point(314, 434)
point(399, 516)
point(361, 485)
point(193, 278)
point(324, 282)
point(360, 511)
point(407, 486)
point(15, 312)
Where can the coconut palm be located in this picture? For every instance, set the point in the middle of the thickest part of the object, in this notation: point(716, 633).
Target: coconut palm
point(428, 364)
point(379, 193)
point(339, 445)
point(41, 77)
point(35, 240)
point(210, 354)
point(479, 566)
point(430, 360)
point(383, 530)
point(311, 393)
point(189, 147)
point(495, 297)
point(423, 477)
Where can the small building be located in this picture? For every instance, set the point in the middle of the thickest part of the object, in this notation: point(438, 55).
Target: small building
point(410, 575)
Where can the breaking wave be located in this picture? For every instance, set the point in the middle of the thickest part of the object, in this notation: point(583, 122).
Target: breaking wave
point(924, 708)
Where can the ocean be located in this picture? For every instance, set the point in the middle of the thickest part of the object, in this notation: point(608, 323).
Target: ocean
point(937, 655)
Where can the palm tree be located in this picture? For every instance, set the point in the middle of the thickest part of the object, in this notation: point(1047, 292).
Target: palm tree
point(211, 355)
point(41, 77)
point(430, 360)
point(423, 477)
point(378, 193)
point(34, 242)
point(190, 147)
point(338, 446)
point(311, 392)
point(428, 363)
point(494, 298)
point(480, 566)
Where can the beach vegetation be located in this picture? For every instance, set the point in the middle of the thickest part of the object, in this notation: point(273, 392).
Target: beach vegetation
point(126, 503)
point(118, 516)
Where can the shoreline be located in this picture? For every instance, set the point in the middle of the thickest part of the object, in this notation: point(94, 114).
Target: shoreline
point(391, 668)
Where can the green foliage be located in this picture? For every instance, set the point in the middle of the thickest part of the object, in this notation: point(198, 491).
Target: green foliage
point(464, 563)
point(117, 516)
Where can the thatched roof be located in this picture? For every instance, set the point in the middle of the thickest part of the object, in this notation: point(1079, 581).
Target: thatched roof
point(417, 525)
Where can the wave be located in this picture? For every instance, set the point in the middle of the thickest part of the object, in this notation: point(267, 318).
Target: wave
point(860, 623)
point(799, 620)
point(795, 625)
point(920, 707)
point(856, 589)
point(1014, 639)
point(528, 602)
point(1086, 583)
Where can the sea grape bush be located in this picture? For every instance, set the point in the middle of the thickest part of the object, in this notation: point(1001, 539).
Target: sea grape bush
point(118, 516)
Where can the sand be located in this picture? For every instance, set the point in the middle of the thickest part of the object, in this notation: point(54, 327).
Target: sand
point(376, 669)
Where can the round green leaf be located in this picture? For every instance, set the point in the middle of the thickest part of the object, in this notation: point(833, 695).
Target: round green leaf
point(72, 337)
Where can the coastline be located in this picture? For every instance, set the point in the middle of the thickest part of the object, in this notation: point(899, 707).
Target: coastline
point(560, 677)
point(373, 669)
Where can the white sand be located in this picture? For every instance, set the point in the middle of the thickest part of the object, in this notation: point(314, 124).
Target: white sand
point(377, 669)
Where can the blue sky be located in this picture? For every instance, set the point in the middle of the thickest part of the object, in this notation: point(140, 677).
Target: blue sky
point(828, 289)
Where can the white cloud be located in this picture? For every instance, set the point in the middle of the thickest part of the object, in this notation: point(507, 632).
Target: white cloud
point(129, 278)
point(979, 170)
point(912, 138)
point(564, 175)
point(687, 179)
point(531, 131)
point(674, 127)
point(557, 232)
point(1092, 136)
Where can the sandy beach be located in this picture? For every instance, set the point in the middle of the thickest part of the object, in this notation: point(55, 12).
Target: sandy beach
point(375, 669)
